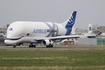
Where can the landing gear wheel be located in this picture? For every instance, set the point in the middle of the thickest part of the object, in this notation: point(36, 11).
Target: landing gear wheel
point(49, 46)
point(32, 46)
point(29, 46)
point(14, 45)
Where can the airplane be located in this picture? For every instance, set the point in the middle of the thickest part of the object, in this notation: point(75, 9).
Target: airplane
point(4, 35)
point(91, 33)
point(73, 31)
point(40, 32)
point(89, 30)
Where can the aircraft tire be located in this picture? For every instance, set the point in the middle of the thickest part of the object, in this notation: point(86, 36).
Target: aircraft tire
point(51, 46)
point(14, 46)
point(29, 46)
point(47, 46)
point(34, 46)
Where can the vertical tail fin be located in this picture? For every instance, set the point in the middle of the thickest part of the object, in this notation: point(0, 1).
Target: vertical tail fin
point(73, 31)
point(70, 22)
point(90, 28)
point(4, 35)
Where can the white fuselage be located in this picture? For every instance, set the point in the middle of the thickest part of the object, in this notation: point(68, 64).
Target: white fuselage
point(20, 32)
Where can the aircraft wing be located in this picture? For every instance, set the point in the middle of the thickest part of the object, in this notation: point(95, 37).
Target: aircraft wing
point(86, 35)
point(58, 37)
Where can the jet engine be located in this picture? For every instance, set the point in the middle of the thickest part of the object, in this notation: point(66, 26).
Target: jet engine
point(48, 43)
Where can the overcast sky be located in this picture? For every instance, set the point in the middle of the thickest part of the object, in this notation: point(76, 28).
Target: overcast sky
point(88, 11)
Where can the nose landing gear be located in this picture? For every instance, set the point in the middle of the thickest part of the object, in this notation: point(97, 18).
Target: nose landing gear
point(14, 45)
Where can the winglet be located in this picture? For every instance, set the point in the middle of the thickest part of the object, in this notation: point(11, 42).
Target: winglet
point(99, 33)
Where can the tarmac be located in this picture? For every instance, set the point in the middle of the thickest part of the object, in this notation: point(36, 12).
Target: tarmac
point(55, 47)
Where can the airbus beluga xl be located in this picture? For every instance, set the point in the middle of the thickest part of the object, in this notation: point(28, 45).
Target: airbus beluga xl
point(40, 32)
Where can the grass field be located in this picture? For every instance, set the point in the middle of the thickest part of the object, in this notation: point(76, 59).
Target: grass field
point(52, 59)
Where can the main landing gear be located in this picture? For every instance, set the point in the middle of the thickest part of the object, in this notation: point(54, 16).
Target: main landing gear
point(32, 46)
point(49, 46)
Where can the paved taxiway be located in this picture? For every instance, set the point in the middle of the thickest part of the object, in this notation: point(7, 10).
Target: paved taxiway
point(57, 47)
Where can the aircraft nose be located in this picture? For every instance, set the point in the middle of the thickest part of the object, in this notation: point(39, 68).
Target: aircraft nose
point(6, 42)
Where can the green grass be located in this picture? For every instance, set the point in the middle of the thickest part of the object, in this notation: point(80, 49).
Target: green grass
point(52, 59)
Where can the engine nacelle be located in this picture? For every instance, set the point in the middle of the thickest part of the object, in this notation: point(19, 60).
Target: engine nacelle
point(48, 42)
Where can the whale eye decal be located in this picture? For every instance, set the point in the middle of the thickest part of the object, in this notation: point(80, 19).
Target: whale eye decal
point(28, 34)
point(10, 29)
